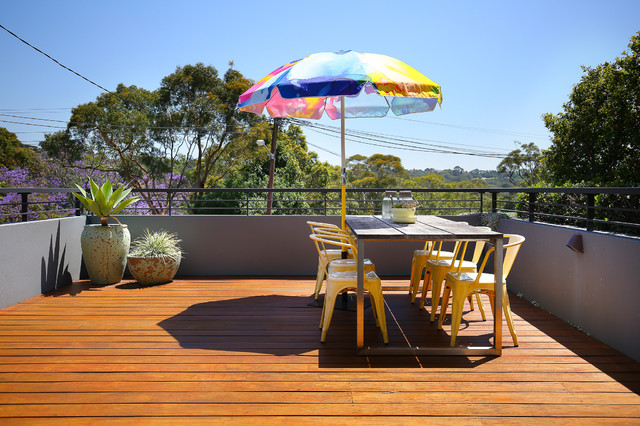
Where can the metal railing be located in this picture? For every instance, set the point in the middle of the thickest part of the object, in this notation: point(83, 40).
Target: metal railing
point(607, 209)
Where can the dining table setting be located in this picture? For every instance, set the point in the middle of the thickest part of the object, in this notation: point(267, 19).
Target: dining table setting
point(367, 228)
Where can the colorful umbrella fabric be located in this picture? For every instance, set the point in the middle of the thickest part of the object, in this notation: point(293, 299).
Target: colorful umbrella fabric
point(361, 84)
point(371, 83)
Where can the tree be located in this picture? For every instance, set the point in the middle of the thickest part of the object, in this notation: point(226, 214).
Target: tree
point(13, 154)
point(196, 114)
point(596, 138)
point(295, 167)
point(377, 171)
point(523, 166)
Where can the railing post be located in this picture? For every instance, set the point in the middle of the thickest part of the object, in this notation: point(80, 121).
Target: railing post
point(247, 203)
point(169, 201)
point(78, 206)
point(324, 195)
point(590, 211)
point(494, 202)
point(481, 202)
point(25, 206)
point(532, 206)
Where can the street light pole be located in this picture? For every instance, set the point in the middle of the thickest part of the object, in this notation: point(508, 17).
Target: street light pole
point(272, 165)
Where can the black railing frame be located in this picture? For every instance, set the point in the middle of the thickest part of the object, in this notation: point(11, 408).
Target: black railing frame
point(371, 200)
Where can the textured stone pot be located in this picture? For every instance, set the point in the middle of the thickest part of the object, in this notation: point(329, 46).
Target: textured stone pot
point(105, 250)
point(153, 270)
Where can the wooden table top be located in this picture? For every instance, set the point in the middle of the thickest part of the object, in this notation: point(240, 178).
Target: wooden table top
point(369, 227)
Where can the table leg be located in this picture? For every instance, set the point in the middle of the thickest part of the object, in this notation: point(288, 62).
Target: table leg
point(360, 296)
point(497, 318)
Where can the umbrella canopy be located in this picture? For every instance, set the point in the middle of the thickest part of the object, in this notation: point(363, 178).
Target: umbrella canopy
point(360, 84)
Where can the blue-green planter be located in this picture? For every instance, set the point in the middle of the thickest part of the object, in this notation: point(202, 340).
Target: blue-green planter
point(105, 250)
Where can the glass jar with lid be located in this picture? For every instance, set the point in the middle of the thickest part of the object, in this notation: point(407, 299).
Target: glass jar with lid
point(389, 199)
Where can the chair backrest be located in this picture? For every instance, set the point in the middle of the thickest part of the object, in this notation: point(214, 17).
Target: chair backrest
point(321, 240)
point(511, 251)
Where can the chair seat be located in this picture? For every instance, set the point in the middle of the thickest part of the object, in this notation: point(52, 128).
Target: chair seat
point(485, 278)
point(338, 265)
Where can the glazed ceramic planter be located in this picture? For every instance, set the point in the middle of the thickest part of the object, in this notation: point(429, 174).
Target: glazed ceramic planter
point(153, 270)
point(105, 250)
point(403, 215)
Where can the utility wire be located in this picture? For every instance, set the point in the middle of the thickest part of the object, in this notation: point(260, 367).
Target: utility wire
point(63, 66)
point(387, 141)
point(474, 129)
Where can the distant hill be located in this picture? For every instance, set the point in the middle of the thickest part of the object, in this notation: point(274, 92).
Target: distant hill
point(458, 174)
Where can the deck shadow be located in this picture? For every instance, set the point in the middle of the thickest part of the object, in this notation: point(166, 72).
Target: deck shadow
point(283, 325)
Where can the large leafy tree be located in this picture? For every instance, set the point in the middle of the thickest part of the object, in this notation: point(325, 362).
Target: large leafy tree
point(295, 167)
point(113, 132)
point(596, 138)
point(13, 154)
point(196, 115)
point(523, 166)
point(376, 171)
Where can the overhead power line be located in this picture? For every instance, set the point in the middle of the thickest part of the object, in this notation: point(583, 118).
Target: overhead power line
point(54, 60)
point(474, 129)
point(395, 142)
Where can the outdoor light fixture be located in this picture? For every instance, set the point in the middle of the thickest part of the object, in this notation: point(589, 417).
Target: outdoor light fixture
point(260, 142)
point(575, 243)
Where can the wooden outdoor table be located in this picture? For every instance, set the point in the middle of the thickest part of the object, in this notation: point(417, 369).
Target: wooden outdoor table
point(370, 228)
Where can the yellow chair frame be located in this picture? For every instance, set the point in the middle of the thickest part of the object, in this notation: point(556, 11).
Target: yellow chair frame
point(340, 281)
point(461, 285)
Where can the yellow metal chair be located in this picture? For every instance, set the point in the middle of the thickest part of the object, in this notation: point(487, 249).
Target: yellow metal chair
point(437, 269)
point(341, 281)
point(325, 255)
point(461, 284)
point(418, 263)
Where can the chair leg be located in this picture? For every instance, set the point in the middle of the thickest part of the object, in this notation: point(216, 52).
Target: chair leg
point(319, 278)
point(327, 313)
point(444, 306)
point(417, 266)
point(470, 299)
point(436, 289)
point(377, 303)
point(457, 305)
point(425, 287)
point(481, 307)
point(507, 313)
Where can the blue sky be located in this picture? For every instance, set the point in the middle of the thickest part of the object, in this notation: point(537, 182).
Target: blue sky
point(501, 64)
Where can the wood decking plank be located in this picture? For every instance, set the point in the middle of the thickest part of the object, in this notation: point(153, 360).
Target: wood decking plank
point(234, 350)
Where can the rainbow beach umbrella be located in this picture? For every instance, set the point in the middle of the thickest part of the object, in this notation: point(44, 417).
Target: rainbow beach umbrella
point(343, 84)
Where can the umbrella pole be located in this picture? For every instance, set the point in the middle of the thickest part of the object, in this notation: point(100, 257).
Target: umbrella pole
point(344, 165)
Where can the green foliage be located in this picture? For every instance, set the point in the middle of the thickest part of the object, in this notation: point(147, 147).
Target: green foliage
point(432, 178)
point(14, 155)
point(103, 201)
point(295, 167)
point(376, 171)
point(157, 244)
point(196, 113)
point(523, 166)
point(596, 138)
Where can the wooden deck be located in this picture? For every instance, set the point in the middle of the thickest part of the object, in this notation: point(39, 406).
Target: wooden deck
point(247, 351)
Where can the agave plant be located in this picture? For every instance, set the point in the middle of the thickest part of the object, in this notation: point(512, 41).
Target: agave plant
point(103, 201)
point(157, 244)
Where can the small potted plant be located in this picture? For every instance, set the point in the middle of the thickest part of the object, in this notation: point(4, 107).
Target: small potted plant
point(105, 247)
point(154, 257)
point(404, 211)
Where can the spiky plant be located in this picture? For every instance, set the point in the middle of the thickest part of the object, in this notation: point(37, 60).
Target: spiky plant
point(157, 244)
point(103, 201)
